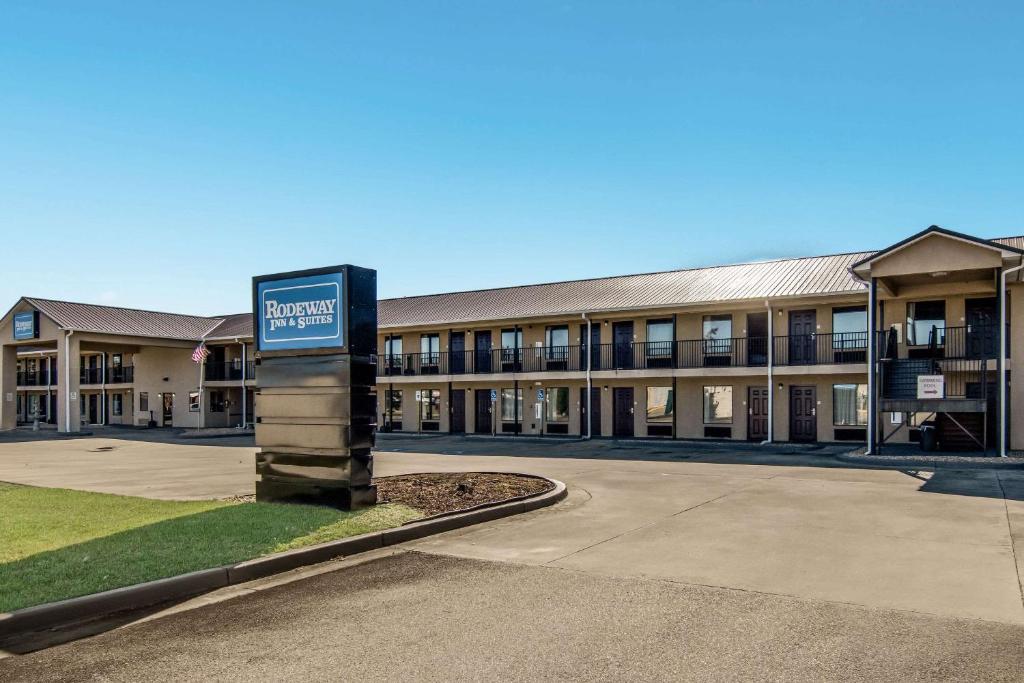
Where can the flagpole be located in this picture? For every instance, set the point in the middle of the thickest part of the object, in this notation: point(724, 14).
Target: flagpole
point(202, 373)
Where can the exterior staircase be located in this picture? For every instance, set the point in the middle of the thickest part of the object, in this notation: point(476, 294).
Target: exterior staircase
point(899, 376)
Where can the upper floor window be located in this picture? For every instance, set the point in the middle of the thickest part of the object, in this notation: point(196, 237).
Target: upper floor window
point(512, 339)
point(556, 340)
point(717, 333)
point(556, 336)
point(922, 316)
point(659, 337)
point(849, 327)
point(392, 346)
point(430, 347)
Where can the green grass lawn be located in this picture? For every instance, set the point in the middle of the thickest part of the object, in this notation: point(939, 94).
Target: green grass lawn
point(56, 543)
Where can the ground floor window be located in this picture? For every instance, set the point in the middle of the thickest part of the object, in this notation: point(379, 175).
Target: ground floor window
point(511, 407)
point(431, 400)
point(116, 407)
point(193, 401)
point(718, 405)
point(558, 404)
point(143, 401)
point(393, 403)
point(849, 405)
point(660, 404)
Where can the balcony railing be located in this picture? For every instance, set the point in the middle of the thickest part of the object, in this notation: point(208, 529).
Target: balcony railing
point(980, 342)
point(818, 349)
point(122, 374)
point(228, 371)
point(848, 347)
point(35, 378)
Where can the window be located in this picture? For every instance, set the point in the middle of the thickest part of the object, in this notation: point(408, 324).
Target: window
point(393, 403)
point(660, 404)
point(557, 404)
point(556, 341)
point(922, 316)
point(193, 401)
point(116, 407)
point(431, 399)
point(510, 341)
point(850, 405)
point(392, 346)
point(510, 409)
point(143, 401)
point(849, 327)
point(216, 401)
point(430, 347)
point(717, 333)
point(718, 405)
point(659, 337)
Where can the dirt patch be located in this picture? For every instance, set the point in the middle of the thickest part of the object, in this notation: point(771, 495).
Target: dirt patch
point(436, 493)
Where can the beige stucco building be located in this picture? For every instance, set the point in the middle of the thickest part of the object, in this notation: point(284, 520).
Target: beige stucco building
point(777, 350)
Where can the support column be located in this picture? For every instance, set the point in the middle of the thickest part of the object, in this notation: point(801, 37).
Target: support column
point(872, 369)
point(69, 367)
point(8, 387)
point(771, 373)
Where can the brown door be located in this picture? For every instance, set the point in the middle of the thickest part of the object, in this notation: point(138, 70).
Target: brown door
point(457, 402)
point(802, 328)
point(483, 411)
point(757, 413)
point(803, 410)
point(594, 406)
point(622, 411)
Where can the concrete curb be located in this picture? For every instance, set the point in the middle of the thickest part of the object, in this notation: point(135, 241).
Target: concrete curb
point(936, 462)
point(91, 607)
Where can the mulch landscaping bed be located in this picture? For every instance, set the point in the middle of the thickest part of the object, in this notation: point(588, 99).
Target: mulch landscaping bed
point(438, 493)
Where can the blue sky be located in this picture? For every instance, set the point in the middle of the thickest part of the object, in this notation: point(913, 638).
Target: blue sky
point(160, 154)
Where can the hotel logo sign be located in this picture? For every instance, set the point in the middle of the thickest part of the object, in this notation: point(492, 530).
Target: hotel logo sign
point(26, 325)
point(301, 312)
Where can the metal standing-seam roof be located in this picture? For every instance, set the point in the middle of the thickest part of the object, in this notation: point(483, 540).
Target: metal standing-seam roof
point(126, 321)
point(232, 326)
point(815, 275)
point(807, 276)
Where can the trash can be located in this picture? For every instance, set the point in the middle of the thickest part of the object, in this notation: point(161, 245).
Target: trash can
point(929, 437)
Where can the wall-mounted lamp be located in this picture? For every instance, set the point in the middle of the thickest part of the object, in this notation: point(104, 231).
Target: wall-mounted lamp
point(780, 386)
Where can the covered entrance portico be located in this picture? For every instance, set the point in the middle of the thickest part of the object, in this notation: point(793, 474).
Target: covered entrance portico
point(937, 352)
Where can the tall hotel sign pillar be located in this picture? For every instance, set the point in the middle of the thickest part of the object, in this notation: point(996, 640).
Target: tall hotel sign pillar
point(316, 342)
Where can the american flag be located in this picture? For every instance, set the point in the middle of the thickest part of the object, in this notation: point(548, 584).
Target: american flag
point(200, 354)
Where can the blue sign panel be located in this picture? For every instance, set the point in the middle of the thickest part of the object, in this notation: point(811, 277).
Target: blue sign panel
point(301, 313)
point(25, 325)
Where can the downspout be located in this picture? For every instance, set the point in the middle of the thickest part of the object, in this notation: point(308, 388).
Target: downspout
point(67, 380)
point(1002, 357)
point(590, 361)
point(872, 351)
point(771, 374)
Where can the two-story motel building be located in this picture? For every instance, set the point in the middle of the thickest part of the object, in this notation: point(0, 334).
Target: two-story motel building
point(769, 351)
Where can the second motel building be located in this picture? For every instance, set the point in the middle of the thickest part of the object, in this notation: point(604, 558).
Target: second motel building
point(776, 350)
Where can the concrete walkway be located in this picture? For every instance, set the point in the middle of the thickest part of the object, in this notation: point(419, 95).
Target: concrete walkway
point(804, 566)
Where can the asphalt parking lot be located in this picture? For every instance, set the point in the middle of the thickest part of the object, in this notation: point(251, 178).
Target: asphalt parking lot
point(662, 563)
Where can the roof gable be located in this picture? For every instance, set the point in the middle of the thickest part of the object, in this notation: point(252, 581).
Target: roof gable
point(937, 246)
